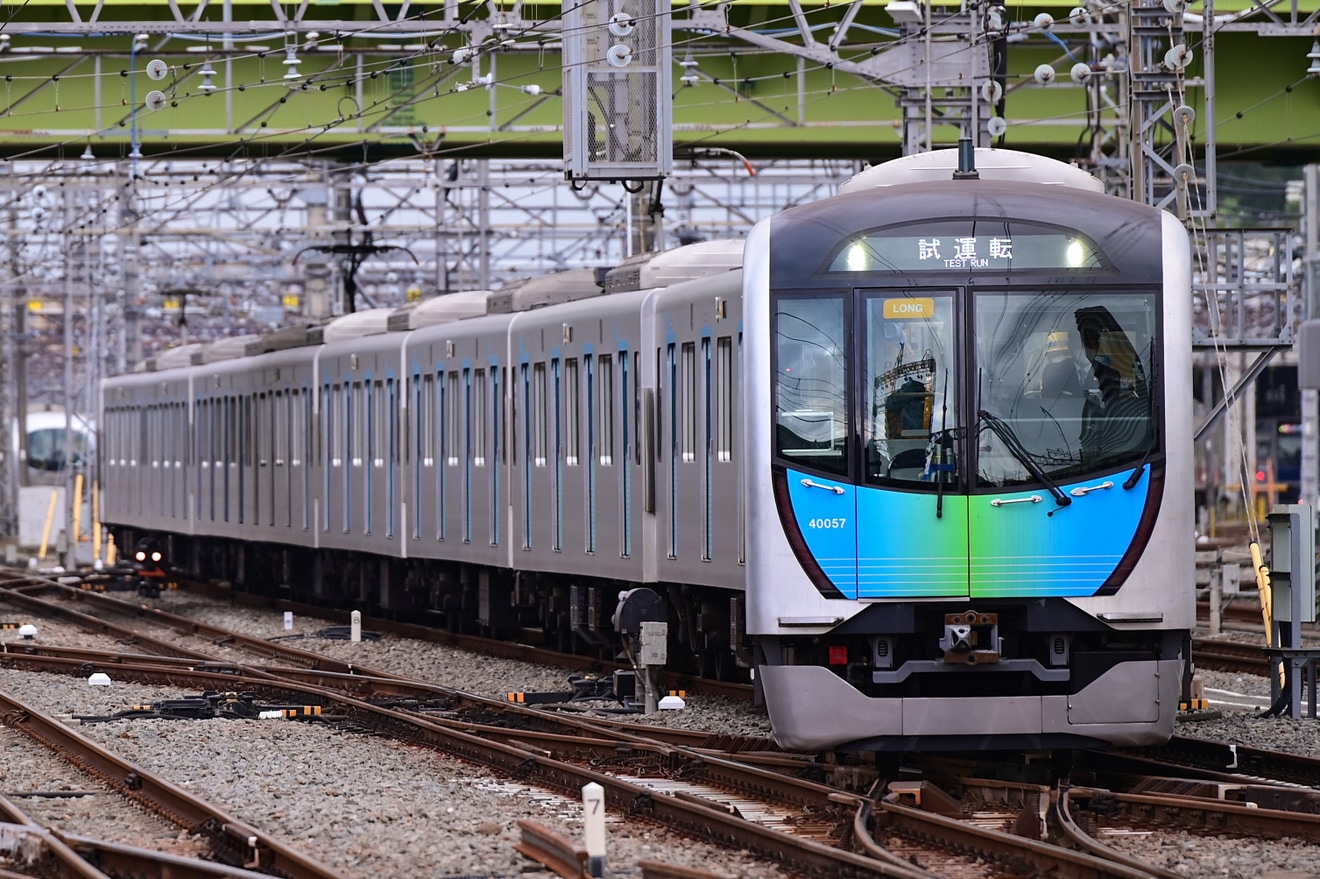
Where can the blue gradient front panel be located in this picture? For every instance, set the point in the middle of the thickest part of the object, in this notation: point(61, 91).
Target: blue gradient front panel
point(826, 514)
point(1022, 549)
point(909, 544)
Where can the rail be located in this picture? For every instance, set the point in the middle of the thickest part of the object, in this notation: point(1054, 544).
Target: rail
point(238, 841)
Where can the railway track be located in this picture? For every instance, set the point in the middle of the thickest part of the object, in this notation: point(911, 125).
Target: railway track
point(232, 841)
point(1229, 656)
point(698, 793)
point(816, 814)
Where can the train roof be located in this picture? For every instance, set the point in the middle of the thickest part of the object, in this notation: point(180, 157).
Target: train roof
point(440, 310)
point(991, 164)
point(283, 339)
point(170, 358)
point(546, 290)
point(356, 325)
point(230, 348)
point(645, 271)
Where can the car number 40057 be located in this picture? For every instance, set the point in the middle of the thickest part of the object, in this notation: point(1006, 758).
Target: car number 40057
point(827, 523)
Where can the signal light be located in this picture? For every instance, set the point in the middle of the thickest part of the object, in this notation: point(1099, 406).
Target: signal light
point(1260, 475)
point(838, 654)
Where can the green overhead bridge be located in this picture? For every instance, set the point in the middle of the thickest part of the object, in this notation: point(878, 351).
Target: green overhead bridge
point(361, 80)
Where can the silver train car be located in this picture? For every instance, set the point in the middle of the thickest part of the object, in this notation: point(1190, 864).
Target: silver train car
point(915, 459)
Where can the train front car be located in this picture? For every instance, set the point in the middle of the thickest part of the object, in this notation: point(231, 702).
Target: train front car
point(969, 438)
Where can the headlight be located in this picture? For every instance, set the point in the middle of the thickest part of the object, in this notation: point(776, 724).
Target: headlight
point(141, 556)
point(155, 556)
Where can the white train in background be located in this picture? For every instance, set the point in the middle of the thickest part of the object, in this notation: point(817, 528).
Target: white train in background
point(43, 461)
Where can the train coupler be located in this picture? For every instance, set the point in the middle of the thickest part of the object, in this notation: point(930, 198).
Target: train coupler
point(971, 638)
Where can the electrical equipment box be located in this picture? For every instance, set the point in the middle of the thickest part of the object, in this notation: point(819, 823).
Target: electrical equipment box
point(1292, 561)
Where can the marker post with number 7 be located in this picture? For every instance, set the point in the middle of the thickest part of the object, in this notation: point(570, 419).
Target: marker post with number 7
point(593, 818)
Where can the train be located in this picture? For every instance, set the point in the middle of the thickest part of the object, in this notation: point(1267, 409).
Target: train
point(45, 458)
point(915, 460)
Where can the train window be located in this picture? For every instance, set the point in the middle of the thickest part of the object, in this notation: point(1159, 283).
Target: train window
point(229, 431)
point(606, 410)
point(707, 450)
point(557, 485)
point(908, 386)
point(1067, 383)
point(379, 424)
point(281, 429)
point(467, 454)
point(637, 406)
point(359, 417)
point(479, 417)
point(245, 451)
point(453, 417)
point(260, 427)
point(441, 436)
point(202, 454)
point(627, 397)
point(425, 416)
point(327, 411)
point(810, 392)
point(687, 401)
point(352, 414)
point(297, 426)
point(671, 379)
point(526, 397)
point(592, 439)
point(572, 424)
point(391, 406)
point(497, 452)
point(539, 415)
point(373, 405)
point(723, 389)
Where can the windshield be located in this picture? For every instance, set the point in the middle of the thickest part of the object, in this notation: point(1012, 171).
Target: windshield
point(910, 388)
point(811, 385)
point(1070, 374)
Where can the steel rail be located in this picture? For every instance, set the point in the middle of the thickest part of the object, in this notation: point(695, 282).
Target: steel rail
point(94, 624)
point(28, 842)
point(233, 839)
point(75, 855)
point(1240, 760)
point(657, 870)
point(551, 850)
point(1198, 813)
point(180, 624)
point(1231, 656)
point(504, 649)
point(531, 763)
point(124, 860)
point(1001, 848)
point(785, 780)
point(1073, 831)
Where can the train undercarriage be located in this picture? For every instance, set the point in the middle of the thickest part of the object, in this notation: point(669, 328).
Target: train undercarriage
point(573, 615)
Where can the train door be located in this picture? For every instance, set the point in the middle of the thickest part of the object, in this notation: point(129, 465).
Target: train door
point(911, 509)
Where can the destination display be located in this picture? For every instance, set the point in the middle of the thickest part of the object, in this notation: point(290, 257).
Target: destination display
point(938, 251)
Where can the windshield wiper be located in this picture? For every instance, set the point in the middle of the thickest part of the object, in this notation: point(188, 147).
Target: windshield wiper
point(942, 467)
point(1014, 446)
point(1131, 482)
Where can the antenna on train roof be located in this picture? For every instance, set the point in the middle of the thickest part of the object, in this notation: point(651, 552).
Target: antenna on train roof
point(966, 161)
